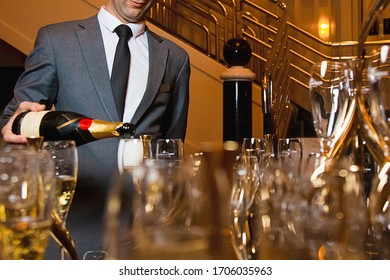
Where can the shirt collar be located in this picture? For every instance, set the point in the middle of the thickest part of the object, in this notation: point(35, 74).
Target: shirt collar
point(111, 22)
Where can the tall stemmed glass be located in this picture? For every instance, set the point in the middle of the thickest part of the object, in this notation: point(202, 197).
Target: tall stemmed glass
point(333, 105)
point(330, 98)
point(65, 158)
point(64, 154)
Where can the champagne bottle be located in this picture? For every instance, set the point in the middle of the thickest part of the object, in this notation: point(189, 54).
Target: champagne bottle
point(64, 125)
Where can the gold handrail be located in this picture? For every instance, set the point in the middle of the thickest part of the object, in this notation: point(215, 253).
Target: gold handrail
point(206, 30)
point(198, 9)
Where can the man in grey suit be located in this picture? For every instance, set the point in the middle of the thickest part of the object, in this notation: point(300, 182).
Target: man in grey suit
point(70, 66)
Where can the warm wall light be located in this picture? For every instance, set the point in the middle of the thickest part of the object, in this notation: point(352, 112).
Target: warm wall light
point(323, 29)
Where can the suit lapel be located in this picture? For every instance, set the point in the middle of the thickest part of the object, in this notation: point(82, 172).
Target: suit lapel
point(92, 46)
point(158, 56)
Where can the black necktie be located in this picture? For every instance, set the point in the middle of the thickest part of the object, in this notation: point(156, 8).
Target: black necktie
point(121, 66)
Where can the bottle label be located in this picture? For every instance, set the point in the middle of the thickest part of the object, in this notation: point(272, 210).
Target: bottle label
point(31, 123)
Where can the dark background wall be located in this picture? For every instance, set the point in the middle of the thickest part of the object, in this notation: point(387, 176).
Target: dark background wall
point(11, 66)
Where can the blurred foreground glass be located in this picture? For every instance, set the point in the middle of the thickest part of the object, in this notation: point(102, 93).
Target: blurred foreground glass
point(27, 198)
point(246, 181)
point(161, 220)
point(277, 217)
point(295, 219)
point(267, 150)
point(290, 155)
point(252, 147)
point(336, 221)
point(290, 148)
point(165, 211)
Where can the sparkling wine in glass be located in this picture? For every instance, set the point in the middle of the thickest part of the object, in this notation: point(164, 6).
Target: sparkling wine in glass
point(64, 154)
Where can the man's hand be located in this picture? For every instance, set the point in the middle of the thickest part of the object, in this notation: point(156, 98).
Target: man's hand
point(10, 137)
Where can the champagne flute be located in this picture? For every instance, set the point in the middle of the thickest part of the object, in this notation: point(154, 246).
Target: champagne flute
point(330, 97)
point(64, 154)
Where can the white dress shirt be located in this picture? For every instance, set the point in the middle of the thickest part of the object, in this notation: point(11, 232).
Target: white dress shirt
point(138, 75)
point(139, 63)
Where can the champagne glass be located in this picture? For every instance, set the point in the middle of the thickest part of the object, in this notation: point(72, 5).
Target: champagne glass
point(64, 154)
point(330, 97)
point(252, 147)
point(289, 148)
point(267, 150)
point(27, 198)
point(130, 153)
point(171, 150)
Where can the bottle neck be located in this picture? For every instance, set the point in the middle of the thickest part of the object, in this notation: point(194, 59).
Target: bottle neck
point(103, 129)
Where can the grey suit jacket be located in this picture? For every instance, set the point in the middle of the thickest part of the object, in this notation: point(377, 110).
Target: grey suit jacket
point(68, 66)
